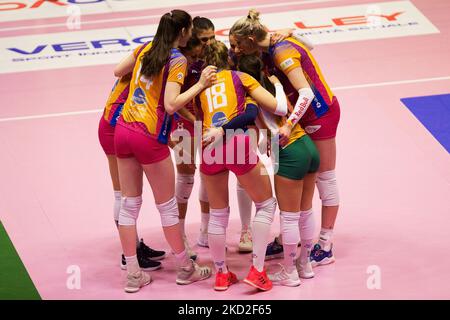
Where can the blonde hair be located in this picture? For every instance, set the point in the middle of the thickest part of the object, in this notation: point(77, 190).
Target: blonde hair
point(249, 26)
point(216, 54)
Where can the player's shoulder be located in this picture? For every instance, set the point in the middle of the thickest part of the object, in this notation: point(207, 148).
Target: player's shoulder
point(177, 57)
point(283, 46)
point(241, 75)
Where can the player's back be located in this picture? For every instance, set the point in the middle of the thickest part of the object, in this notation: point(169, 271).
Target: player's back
point(224, 100)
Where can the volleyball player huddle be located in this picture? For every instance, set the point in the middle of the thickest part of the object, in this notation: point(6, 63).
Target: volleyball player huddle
point(268, 85)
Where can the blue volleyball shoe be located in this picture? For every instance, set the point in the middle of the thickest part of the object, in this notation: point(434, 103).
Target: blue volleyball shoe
point(274, 250)
point(320, 257)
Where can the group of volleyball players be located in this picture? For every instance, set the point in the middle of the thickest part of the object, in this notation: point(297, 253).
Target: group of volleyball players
point(266, 85)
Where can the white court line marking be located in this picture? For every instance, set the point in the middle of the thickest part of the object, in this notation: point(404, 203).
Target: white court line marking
point(389, 83)
point(51, 115)
point(196, 12)
point(358, 86)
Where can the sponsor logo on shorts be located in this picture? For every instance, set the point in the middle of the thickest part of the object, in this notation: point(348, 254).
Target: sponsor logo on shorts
point(312, 129)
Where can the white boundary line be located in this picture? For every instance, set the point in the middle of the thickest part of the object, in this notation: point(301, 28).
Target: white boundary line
point(390, 83)
point(51, 115)
point(359, 86)
point(196, 12)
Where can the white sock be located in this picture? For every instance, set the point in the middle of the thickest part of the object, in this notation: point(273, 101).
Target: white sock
point(245, 206)
point(182, 227)
point(291, 236)
point(261, 229)
point(132, 264)
point(290, 252)
point(325, 238)
point(182, 258)
point(305, 250)
point(306, 225)
point(218, 223)
point(204, 223)
point(216, 244)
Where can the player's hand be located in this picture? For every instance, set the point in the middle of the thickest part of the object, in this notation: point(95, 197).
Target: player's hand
point(212, 136)
point(280, 35)
point(274, 80)
point(284, 133)
point(208, 77)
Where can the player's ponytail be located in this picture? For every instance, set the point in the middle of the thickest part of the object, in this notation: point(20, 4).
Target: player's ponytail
point(169, 28)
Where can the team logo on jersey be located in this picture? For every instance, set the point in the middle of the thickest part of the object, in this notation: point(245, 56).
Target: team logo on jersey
point(312, 129)
point(219, 119)
point(139, 96)
point(286, 63)
point(180, 76)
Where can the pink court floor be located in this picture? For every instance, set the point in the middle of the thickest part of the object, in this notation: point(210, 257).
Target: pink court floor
point(393, 174)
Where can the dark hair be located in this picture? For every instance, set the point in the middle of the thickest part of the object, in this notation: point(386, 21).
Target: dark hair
point(191, 44)
point(169, 29)
point(254, 66)
point(202, 23)
point(216, 54)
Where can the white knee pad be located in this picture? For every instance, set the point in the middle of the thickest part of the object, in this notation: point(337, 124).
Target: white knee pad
point(203, 195)
point(289, 227)
point(183, 187)
point(129, 210)
point(328, 190)
point(218, 221)
point(306, 224)
point(169, 213)
point(117, 204)
point(265, 211)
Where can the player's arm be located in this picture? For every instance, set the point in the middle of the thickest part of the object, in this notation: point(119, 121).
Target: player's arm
point(183, 112)
point(305, 95)
point(239, 122)
point(125, 66)
point(174, 101)
point(264, 99)
point(243, 120)
point(276, 105)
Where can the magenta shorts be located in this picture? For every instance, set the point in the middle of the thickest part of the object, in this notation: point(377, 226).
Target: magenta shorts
point(106, 136)
point(324, 127)
point(130, 143)
point(235, 155)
